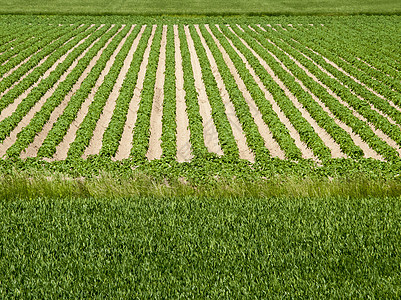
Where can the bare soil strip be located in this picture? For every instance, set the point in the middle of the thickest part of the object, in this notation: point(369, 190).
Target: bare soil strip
point(124, 149)
point(368, 152)
point(209, 129)
point(95, 143)
point(371, 105)
point(269, 142)
point(6, 112)
point(37, 65)
point(19, 65)
point(11, 139)
point(26, 92)
point(64, 146)
point(364, 146)
point(155, 149)
point(378, 132)
point(306, 152)
point(239, 136)
point(364, 85)
point(334, 147)
point(344, 72)
point(32, 149)
point(183, 135)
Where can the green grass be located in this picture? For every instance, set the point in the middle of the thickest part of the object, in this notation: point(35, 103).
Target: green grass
point(192, 247)
point(208, 7)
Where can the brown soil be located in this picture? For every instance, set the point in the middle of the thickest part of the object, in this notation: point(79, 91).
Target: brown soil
point(357, 140)
point(269, 141)
point(183, 135)
point(95, 143)
point(11, 139)
point(239, 136)
point(125, 146)
point(306, 152)
point(63, 147)
point(12, 107)
point(33, 148)
point(209, 129)
point(155, 149)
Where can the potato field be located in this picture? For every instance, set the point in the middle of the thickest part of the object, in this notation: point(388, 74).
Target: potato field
point(238, 89)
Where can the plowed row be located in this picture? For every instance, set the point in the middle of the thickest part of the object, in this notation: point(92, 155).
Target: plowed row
point(248, 91)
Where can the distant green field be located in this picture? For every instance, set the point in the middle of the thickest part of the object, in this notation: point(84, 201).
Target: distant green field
point(145, 7)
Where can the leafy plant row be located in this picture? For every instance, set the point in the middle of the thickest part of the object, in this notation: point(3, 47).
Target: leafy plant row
point(359, 105)
point(370, 52)
point(372, 77)
point(33, 51)
point(314, 109)
point(27, 135)
point(199, 149)
point(140, 142)
point(279, 131)
point(251, 131)
point(11, 33)
point(9, 123)
point(340, 111)
point(64, 121)
point(224, 130)
point(85, 131)
point(55, 50)
point(22, 37)
point(112, 135)
point(359, 89)
point(31, 40)
point(305, 130)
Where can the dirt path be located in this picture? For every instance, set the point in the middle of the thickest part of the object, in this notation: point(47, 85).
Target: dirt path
point(7, 111)
point(269, 142)
point(155, 149)
point(357, 81)
point(37, 65)
point(334, 147)
point(32, 149)
point(124, 149)
point(239, 136)
point(183, 135)
point(368, 152)
point(95, 143)
point(64, 146)
point(378, 132)
point(306, 152)
point(10, 140)
point(209, 129)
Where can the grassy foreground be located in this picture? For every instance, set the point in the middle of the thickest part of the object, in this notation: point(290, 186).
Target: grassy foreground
point(167, 247)
point(208, 7)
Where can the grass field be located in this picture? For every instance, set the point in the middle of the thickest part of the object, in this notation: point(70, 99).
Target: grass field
point(149, 151)
point(200, 247)
point(209, 7)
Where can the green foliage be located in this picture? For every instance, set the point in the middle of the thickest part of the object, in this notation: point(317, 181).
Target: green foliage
point(192, 247)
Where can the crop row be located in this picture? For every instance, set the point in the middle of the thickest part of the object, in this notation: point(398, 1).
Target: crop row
point(283, 69)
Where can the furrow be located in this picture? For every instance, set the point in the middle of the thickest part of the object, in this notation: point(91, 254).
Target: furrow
point(306, 152)
point(10, 140)
point(155, 149)
point(209, 128)
point(95, 144)
point(63, 147)
point(269, 141)
point(32, 149)
point(378, 132)
point(244, 151)
point(124, 148)
point(183, 135)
